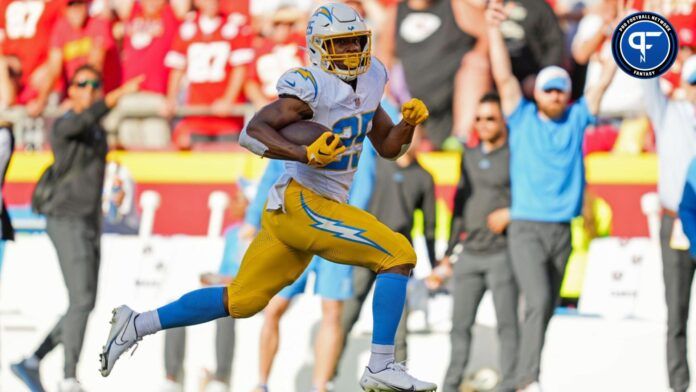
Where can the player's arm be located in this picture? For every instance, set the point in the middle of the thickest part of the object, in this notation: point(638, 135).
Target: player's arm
point(508, 86)
point(261, 136)
point(298, 91)
point(392, 141)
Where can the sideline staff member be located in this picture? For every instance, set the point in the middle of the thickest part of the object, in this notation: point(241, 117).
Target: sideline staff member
point(73, 215)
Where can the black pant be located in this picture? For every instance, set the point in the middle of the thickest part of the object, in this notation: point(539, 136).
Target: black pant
point(77, 243)
point(539, 253)
point(678, 273)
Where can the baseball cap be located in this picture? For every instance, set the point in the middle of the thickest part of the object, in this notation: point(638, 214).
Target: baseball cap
point(553, 78)
point(689, 70)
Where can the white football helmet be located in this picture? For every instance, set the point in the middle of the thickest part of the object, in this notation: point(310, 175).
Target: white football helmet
point(337, 21)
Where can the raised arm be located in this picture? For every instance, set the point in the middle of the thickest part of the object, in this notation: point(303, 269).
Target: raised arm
point(73, 126)
point(595, 93)
point(508, 86)
point(392, 141)
point(592, 31)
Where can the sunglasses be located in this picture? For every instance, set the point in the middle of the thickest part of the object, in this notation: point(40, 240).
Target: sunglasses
point(489, 118)
point(95, 84)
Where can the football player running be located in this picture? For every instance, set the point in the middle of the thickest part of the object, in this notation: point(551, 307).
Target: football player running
point(306, 213)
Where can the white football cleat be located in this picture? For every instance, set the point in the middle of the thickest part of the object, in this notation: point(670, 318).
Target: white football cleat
point(394, 378)
point(121, 337)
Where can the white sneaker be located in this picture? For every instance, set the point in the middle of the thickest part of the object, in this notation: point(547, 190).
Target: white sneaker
point(216, 386)
point(171, 386)
point(70, 385)
point(121, 337)
point(394, 378)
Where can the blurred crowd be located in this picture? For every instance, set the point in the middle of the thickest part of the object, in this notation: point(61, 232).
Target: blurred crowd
point(208, 63)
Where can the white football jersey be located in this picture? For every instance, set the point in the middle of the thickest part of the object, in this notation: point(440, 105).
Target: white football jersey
point(336, 106)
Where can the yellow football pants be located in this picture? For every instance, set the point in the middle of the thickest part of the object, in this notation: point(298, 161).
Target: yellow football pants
point(311, 225)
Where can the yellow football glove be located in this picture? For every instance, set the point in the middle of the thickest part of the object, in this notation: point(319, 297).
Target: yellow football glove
point(414, 112)
point(320, 153)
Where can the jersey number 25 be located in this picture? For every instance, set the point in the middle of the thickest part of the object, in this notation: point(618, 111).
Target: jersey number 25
point(352, 131)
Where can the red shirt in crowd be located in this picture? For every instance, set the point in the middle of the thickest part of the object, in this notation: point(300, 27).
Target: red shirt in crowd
point(25, 31)
point(207, 50)
point(145, 44)
point(235, 7)
point(76, 46)
point(273, 59)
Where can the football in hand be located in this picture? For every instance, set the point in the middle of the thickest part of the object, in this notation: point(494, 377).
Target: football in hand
point(304, 133)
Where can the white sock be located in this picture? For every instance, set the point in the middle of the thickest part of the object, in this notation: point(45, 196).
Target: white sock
point(381, 355)
point(32, 362)
point(147, 323)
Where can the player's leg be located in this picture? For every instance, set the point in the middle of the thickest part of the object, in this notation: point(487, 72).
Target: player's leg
point(334, 285)
point(348, 235)
point(268, 265)
point(270, 331)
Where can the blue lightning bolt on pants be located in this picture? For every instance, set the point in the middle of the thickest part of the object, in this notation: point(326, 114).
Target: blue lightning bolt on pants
point(311, 225)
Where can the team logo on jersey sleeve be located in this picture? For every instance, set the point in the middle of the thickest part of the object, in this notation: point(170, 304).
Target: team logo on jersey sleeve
point(306, 75)
point(644, 45)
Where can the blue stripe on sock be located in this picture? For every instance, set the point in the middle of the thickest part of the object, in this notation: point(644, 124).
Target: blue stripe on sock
point(387, 306)
point(195, 307)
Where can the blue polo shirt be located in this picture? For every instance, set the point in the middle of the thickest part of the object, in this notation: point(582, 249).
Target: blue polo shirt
point(547, 174)
point(687, 208)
